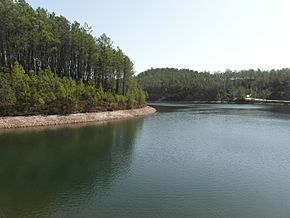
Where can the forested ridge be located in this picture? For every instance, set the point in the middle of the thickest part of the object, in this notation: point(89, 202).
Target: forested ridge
point(50, 65)
point(189, 85)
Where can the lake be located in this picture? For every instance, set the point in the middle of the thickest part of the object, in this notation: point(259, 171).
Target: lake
point(186, 160)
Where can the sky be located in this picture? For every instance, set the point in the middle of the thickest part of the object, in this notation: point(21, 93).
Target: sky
point(203, 35)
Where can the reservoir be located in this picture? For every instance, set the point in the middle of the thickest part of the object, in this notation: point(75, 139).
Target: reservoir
point(186, 160)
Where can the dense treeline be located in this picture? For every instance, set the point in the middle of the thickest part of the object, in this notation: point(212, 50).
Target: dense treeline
point(45, 44)
point(38, 40)
point(44, 92)
point(188, 85)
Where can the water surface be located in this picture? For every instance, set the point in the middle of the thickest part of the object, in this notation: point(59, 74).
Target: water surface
point(187, 160)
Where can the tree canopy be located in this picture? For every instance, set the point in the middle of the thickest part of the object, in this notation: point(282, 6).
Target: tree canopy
point(189, 85)
point(45, 59)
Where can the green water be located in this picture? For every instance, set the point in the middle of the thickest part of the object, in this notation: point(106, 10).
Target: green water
point(185, 161)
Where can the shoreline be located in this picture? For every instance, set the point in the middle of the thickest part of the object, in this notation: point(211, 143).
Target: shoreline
point(246, 101)
point(55, 120)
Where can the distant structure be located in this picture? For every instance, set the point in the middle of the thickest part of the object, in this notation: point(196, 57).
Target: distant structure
point(244, 81)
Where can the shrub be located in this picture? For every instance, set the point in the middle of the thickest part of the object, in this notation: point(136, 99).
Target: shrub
point(44, 92)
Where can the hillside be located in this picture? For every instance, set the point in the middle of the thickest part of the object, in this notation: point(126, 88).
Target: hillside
point(188, 85)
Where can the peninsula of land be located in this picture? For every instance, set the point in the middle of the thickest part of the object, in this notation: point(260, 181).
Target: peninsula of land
point(52, 120)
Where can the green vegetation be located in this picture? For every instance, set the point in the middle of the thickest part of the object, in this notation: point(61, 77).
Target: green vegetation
point(44, 92)
point(51, 66)
point(188, 85)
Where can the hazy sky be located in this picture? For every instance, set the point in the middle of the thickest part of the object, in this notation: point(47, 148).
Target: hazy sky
point(197, 34)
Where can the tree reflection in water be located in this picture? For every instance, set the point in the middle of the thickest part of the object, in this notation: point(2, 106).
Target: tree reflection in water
point(43, 170)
